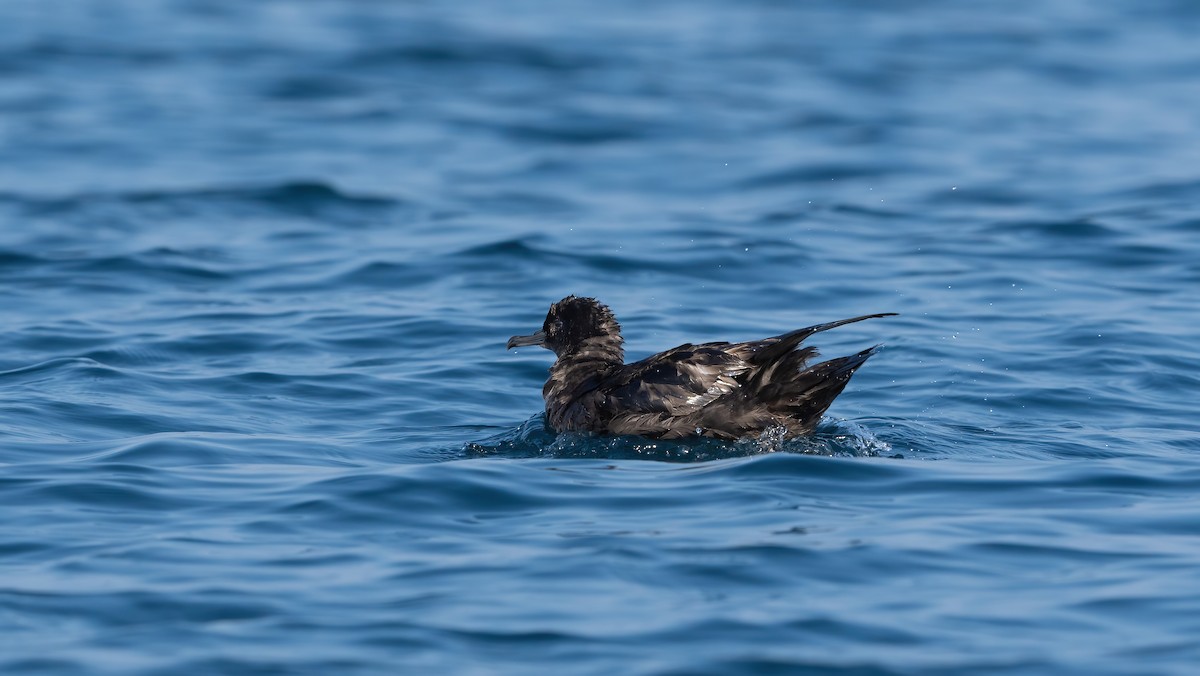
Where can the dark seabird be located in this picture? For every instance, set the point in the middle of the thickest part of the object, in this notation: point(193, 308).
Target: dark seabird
point(722, 390)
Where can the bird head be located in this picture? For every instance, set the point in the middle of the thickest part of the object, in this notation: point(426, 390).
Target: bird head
point(571, 324)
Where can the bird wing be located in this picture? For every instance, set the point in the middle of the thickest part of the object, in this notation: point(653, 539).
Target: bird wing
point(770, 350)
point(679, 381)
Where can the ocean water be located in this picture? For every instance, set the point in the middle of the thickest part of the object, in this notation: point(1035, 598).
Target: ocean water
point(258, 263)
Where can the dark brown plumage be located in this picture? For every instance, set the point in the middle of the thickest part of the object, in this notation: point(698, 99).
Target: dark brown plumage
point(722, 390)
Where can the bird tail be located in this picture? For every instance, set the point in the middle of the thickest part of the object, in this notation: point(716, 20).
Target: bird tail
point(797, 395)
point(804, 398)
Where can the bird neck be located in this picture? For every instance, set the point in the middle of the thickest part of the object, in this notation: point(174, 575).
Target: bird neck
point(581, 369)
point(595, 351)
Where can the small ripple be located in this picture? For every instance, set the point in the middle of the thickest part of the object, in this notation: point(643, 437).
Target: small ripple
point(1084, 229)
point(43, 53)
point(779, 666)
point(314, 87)
point(111, 496)
point(296, 198)
point(11, 260)
point(137, 607)
point(306, 197)
point(814, 174)
point(51, 365)
point(478, 50)
point(1029, 553)
point(575, 132)
point(373, 498)
point(383, 275)
point(148, 266)
point(691, 261)
point(1183, 190)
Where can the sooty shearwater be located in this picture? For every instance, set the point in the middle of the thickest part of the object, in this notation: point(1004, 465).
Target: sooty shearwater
point(721, 390)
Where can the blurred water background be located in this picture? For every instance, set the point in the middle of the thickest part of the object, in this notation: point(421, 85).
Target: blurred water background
point(258, 261)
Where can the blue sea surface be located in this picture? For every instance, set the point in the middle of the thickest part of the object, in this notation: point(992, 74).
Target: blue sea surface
point(259, 260)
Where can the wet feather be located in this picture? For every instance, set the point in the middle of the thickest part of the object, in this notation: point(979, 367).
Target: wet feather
point(722, 390)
